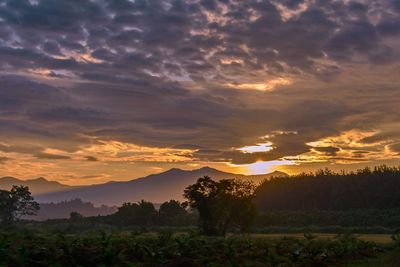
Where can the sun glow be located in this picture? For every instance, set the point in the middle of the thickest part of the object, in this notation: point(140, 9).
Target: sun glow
point(228, 61)
point(40, 72)
point(266, 86)
point(262, 167)
point(263, 147)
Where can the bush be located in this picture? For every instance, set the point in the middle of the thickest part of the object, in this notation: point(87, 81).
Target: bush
point(167, 249)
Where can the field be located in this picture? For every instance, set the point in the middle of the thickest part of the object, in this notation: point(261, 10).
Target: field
point(378, 238)
point(384, 259)
point(28, 248)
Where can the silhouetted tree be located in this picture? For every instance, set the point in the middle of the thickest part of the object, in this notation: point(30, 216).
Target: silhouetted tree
point(141, 213)
point(222, 204)
point(172, 208)
point(16, 203)
point(75, 216)
point(173, 213)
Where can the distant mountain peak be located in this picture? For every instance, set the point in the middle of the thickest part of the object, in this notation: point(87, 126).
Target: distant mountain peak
point(206, 168)
point(37, 186)
point(174, 170)
point(39, 179)
point(170, 171)
point(202, 169)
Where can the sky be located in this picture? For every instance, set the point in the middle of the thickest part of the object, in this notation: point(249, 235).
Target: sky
point(99, 90)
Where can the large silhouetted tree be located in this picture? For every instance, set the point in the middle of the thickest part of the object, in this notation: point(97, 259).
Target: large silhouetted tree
point(222, 204)
point(16, 203)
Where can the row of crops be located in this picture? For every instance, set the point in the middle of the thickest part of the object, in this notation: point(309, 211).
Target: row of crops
point(167, 249)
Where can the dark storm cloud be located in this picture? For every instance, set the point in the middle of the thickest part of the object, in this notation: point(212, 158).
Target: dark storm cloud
point(50, 156)
point(187, 146)
point(22, 92)
point(395, 147)
point(35, 151)
point(329, 150)
point(52, 48)
point(154, 73)
point(382, 136)
point(284, 145)
point(28, 149)
point(96, 28)
point(4, 159)
point(79, 116)
point(91, 158)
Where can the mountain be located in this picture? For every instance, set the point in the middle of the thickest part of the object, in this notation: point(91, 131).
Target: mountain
point(37, 186)
point(156, 188)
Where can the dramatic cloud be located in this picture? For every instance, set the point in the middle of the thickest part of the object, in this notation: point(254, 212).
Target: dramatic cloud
point(50, 156)
point(128, 87)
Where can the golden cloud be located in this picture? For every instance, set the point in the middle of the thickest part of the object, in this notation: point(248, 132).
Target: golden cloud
point(265, 86)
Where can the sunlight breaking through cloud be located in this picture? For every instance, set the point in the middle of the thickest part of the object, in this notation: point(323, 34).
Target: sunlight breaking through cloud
point(262, 167)
point(267, 86)
point(264, 147)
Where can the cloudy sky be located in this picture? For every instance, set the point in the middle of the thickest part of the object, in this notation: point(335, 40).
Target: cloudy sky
point(99, 90)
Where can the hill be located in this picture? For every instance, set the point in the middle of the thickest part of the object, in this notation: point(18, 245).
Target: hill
point(37, 186)
point(156, 188)
point(63, 210)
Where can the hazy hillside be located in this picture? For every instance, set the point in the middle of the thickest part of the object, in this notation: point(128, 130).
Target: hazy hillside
point(64, 208)
point(156, 188)
point(36, 186)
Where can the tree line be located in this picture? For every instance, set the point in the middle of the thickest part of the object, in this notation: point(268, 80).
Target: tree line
point(376, 188)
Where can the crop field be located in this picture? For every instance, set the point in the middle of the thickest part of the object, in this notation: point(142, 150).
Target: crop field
point(186, 250)
point(378, 238)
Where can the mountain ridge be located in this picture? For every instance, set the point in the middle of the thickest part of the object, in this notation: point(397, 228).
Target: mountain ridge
point(157, 187)
point(37, 186)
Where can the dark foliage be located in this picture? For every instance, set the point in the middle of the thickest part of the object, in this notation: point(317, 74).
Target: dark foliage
point(171, 213)
point(168, 250)
point(376, 188)
point(16, 203)
point(389, 218)
point(172, 208)
point(222, 204)
point(141, 213)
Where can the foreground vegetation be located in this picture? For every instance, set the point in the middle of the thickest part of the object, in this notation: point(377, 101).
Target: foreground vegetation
point(27, 248)
point(225, 212)
point(384, 259)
